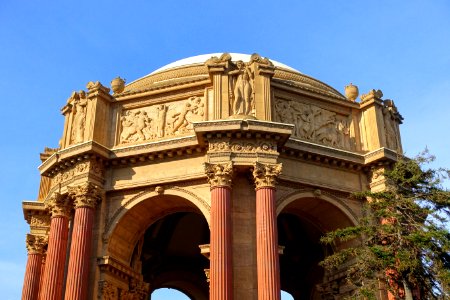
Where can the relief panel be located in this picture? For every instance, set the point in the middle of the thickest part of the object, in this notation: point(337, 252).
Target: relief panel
point(160, 121)
point(316, 124)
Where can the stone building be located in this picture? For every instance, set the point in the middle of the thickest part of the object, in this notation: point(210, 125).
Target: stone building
point(215, 175)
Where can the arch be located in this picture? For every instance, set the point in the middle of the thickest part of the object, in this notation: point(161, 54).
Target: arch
point(130, 221)
point(303, 216)
point(284, 201)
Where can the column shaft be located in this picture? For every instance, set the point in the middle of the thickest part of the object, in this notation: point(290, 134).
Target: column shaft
point(80, 250)
point(267, 245)
point(56, 257)
point(32, 277)
point(220, 256)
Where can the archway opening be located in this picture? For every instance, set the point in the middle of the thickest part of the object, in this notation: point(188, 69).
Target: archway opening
point(169, 256)
point(299, 263)
point(286, 296)
point(168, 294)
point(301, 224)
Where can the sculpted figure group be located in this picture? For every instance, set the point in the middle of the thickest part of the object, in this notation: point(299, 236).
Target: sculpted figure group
point(161, 120)
point(315, 124)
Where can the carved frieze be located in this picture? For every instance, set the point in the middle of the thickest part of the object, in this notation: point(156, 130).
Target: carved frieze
point(39, 221)
point(159, 121)
point(316, 124)
point(265, 175)
point(58, 205)
point(219, 174)
point(36, 244)
point(85, 195)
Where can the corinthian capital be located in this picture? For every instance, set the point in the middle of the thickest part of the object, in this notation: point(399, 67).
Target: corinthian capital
point(265, 175)
point(85, 195)
point(58, 205)
point(36, 243)
point(219, 174)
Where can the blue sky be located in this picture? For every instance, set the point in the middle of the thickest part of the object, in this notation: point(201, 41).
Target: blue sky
point(49, 49)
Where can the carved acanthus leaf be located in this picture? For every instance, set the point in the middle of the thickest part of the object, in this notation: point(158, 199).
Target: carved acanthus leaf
point(265, 175)
point(58, 205)
point(108, 291)
point(138, 290)
point(36, 243)
point(219, 174)
point(85, 195)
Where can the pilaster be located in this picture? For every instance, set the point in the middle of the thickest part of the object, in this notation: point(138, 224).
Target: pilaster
point(264, 70)
point(98, 116)
point(217, 68)
point(372, 124)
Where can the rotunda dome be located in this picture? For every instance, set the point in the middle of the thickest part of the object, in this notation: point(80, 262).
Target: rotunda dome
point(194, 69)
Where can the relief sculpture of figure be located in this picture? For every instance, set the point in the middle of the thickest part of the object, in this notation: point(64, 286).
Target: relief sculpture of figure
point(325, 128)
point(161, 120)
point(192, 111)
point(135, 127)
point(128, 128)
point(79, 120)
point(343, 129)
point(243, 90)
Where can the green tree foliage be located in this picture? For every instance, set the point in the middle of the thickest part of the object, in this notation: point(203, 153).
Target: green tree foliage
point(403, 238)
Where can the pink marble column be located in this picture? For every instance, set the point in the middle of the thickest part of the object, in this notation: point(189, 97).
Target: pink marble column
point(35, 246)
point(219, 176)
point(266, 232)
point(52, 283)
point(85, 197)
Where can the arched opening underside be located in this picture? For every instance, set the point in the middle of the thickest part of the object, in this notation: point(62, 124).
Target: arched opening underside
point(136, 219)
point(168, 254)
point(301, 223)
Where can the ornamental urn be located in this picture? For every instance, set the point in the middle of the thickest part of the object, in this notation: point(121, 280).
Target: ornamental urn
point(351, 92)
point(118, 85)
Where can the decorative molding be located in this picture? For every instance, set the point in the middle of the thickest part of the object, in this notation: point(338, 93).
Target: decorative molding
point(219, 175)
point(242, 146)
point(265, 175)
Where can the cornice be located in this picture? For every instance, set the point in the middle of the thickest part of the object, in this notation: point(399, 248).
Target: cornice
point(163, 87)
point(31, 208)
point(338, 158)
point(67, 157)
point(116, 267)
point(302, 89)
point(238, 128)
